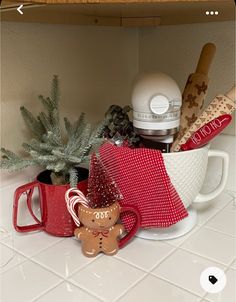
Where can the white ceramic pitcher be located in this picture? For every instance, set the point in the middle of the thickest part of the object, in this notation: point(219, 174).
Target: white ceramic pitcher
point(187, 171)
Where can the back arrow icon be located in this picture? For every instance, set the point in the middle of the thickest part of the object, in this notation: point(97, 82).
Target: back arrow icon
point(19, 9)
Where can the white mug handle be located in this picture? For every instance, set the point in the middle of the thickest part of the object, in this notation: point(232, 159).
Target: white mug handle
point(225, 168)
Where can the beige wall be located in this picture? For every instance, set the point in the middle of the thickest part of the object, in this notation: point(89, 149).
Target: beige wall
point(96, 66)
point(175, 50)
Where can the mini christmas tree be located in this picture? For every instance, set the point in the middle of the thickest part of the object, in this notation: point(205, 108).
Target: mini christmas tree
point(102, 190)
point(48, 148)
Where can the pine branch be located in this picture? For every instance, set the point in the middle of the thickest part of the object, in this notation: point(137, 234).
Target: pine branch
point(56, 129)
point(46, 103)
point(45, 121)
point(67, 157)
point(82, 146)
point(47, 159)
point(32, 123)
point(51, 138)
point(98, 131)
point(9, 154)
point(55, 91)
point(47, 148)
point(68, 126)
point(16, 164)
point(79, 125)
point(60, 166)
point(75, 133)
point(73, 177)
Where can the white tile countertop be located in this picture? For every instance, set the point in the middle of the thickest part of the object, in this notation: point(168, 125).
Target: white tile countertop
point(39, 267)
point(44, 268)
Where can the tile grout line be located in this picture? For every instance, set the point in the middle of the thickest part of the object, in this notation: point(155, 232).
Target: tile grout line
point(56, 273)
point(83, 266)
point(130, 287)
point(143, 269)
point(119, 260)
point(220, 232)
point(226, 270)
point(217, 231)
point(176, 285)
point(146, 272)
point(132, 264)
point(14, 265)
point(229, 266)
point(84, 289)
point(217, 212)
point(204, 223)
point(172, 252)
point(195, 229)
point(42, 250)
point(46, 291)
point(149, 272)
point(63, 279)
point(67, 281)
point(202, 256)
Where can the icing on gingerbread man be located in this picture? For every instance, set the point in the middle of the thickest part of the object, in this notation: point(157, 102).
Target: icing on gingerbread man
point(99, 232)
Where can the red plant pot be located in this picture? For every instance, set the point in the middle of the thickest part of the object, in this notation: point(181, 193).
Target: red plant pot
point(55, 218)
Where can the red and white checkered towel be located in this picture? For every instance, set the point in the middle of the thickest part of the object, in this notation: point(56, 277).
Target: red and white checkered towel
point(143, 181)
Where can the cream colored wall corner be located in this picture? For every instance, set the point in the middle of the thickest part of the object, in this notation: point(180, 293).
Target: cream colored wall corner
point(96, 66)
point(176, 49)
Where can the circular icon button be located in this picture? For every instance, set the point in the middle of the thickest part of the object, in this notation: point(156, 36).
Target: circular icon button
point(213, 280)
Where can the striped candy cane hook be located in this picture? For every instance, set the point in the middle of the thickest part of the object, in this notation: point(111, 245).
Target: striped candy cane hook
point(71, 201)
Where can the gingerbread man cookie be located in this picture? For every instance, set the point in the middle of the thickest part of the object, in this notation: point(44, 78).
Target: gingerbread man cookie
point(99, 232)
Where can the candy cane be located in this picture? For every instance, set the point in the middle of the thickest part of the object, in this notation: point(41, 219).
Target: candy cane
point(71, 201)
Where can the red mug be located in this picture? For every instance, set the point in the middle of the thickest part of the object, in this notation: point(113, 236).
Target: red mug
point(55, 218)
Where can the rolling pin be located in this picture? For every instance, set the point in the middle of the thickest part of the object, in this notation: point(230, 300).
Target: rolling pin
point(221, 104)
point(195, 91)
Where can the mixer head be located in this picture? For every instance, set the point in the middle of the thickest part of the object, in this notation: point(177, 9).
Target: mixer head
point(156, 102)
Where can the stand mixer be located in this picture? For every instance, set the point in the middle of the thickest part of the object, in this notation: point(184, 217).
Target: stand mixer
point(156, 102)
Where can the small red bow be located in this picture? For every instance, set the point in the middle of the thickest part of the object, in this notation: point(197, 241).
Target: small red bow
point(103, 233)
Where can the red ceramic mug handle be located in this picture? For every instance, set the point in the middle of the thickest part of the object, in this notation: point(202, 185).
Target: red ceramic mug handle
point(135, 227)
point(19, 191)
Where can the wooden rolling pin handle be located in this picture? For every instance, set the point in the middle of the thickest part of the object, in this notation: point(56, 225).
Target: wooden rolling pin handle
point(206, 57)
point(232, 93)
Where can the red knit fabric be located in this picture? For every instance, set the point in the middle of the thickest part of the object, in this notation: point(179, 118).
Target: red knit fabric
point(143, 181)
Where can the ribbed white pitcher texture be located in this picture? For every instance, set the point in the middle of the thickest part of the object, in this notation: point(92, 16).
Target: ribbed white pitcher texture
point(187, 171)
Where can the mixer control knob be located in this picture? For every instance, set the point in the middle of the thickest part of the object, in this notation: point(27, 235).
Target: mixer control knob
point(159, 104)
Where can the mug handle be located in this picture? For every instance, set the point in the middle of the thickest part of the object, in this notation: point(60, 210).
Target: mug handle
point(135, 227)
point(225, 168)
point(19, 191)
